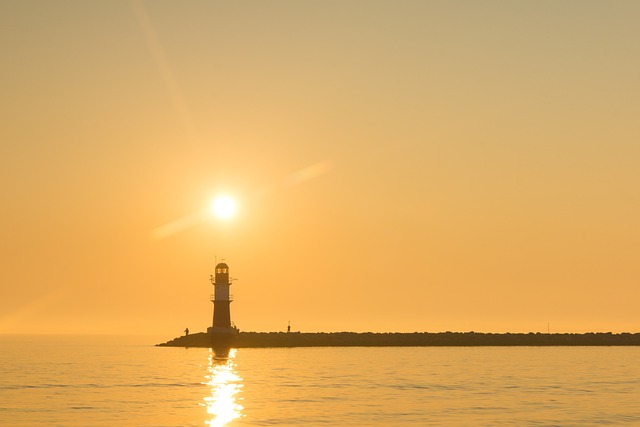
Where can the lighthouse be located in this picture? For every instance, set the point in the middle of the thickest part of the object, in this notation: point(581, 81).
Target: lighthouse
point(221, 299)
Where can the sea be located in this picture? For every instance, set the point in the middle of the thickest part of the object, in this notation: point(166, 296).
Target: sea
point(127, 381)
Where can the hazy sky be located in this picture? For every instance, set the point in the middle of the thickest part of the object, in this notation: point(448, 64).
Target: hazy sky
point(398, 165)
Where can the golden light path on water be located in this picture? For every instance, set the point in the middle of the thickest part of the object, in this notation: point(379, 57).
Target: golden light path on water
point(225, 384)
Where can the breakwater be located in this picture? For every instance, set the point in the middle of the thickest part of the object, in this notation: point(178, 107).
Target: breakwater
point(416, 339)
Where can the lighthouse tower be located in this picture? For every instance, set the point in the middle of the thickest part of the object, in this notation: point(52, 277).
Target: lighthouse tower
point(221, 299)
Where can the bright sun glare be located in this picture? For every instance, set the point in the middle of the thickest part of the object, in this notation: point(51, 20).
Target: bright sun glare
point(223, 207)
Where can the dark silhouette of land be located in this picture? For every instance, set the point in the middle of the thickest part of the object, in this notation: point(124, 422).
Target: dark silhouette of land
point(416, 339)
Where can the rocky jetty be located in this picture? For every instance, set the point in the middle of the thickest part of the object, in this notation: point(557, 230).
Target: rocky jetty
point(397, 339)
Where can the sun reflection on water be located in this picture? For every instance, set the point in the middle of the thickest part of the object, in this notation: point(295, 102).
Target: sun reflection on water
point(225, 384)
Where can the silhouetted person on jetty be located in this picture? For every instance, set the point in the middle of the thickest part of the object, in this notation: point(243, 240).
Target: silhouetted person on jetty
point(288, 327)
point(186, 332)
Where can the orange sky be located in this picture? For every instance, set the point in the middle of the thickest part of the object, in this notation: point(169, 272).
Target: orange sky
point(398, 165)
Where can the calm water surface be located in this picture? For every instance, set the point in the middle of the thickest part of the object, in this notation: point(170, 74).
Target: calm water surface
point(111, 381)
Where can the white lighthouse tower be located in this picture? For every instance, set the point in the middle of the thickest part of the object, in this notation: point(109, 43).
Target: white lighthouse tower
point(221, 299)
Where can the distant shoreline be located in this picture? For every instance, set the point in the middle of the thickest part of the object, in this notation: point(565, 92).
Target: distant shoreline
point(400, 339)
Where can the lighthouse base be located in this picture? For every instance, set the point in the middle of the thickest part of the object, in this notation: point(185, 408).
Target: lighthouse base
point(221, 337)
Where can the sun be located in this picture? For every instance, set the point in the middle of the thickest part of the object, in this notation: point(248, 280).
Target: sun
point(223, 207)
